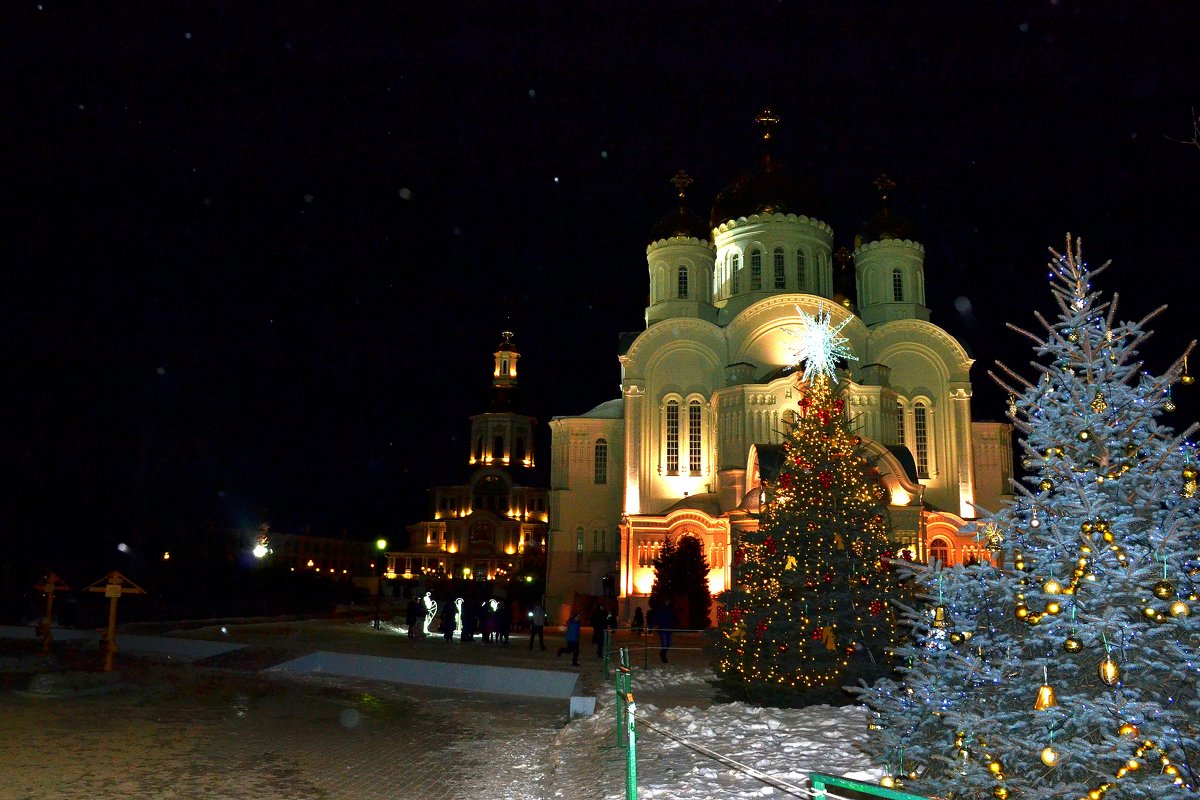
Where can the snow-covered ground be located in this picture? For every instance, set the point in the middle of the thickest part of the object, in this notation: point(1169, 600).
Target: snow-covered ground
point(688, 752)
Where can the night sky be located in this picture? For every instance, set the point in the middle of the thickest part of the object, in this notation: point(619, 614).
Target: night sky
point(259, 255)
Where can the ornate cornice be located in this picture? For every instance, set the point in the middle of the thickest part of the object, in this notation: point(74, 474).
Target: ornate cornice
point(676, 240)
point(908, 244)
point(801, 218)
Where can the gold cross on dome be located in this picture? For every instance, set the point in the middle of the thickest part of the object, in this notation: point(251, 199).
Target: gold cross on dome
point(884, 185)
point(681, 182)
point(768, 120)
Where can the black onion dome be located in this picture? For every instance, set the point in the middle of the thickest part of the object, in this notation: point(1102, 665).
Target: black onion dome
point(682, 221)
point(886, 224)
point(766, 189)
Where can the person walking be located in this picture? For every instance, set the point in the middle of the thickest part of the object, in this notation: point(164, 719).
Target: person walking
point(599, 623)
point(666, 622)
point(574, 626)
point(537, 625)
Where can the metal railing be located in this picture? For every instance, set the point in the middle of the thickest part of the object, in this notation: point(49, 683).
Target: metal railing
point(820, 782)
point(626, 741)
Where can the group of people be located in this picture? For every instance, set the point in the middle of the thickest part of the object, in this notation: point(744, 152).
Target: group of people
point(493, 619)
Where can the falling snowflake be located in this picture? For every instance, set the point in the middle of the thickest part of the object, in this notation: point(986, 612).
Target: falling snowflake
point(818, 344)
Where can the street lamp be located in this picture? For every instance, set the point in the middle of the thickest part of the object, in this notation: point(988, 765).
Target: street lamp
point(381, 546)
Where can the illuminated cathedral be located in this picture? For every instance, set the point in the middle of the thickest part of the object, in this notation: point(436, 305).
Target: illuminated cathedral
point(709, 386)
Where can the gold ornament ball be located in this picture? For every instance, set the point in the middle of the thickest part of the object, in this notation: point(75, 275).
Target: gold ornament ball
point(1180, 609)
point(1072, 645)
point(1187, 380)
point(1000, 793)
point(1163, 590)
point(995, 767)
point(1046, 484)
point(1050, 757)
point(913, 775)
point(1052, 587)
point(1128, 729)
point(1053, 607)
point(1109, 672)
point(1086, 526)
point(1189, 472)
point(888, 782)
point(1149, 612)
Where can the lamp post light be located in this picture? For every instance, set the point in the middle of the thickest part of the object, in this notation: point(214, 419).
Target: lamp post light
point(381, 546)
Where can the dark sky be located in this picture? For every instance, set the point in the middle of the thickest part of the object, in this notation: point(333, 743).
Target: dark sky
point(258, 255)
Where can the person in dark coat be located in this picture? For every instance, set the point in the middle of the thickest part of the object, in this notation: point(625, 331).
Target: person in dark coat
point(503, 622)
point(666, 622)
point(447, 626)
point(639, 622)
point(599, 624)
point(411, 613)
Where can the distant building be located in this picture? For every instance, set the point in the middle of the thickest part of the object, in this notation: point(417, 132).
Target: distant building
point(493, 525)
point(707, 388)
point(323, 555)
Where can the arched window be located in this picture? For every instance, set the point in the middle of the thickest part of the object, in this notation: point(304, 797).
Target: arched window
point(498, 447)
point(921, 437)
point(735, 268)
point(939, 550)
point(801, 272)
point(780, 279)
point(673, 437)
point(694, 428)
point(900, 422)
point(756, 269)
point(683, 283)
point(600, 462)
point(897, 285)
point(479, 449)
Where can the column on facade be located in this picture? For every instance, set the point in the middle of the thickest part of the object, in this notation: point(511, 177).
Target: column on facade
point(960, 396)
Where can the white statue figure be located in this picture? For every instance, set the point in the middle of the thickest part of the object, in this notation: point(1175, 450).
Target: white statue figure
point(458, 617)
point(431, 607)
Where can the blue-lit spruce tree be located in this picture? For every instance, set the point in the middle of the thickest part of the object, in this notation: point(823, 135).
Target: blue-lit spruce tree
point(1069, 668)
point(809, 608)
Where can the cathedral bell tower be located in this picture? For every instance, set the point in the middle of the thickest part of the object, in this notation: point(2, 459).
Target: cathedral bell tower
point(501, 437)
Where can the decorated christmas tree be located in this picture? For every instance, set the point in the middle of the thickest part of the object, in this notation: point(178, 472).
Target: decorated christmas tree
point(1069, 668)
point(809, 610)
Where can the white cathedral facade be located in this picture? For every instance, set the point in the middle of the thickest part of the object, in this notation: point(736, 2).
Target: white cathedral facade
point(707, 389)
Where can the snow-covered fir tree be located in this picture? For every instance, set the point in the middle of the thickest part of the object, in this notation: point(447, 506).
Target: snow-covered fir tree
point(1069, 667)
point(809, 610)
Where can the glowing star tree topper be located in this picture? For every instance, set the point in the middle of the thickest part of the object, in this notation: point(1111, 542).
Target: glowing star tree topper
point(818, 344)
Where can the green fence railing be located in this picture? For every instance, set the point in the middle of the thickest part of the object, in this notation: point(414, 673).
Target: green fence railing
point(820, 782)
